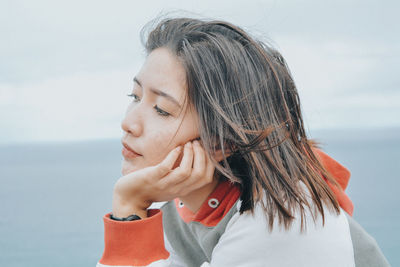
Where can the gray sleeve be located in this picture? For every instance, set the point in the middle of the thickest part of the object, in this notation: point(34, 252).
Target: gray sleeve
point(366, 251)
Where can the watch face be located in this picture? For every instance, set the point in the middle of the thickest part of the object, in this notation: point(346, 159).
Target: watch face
point(132, 217)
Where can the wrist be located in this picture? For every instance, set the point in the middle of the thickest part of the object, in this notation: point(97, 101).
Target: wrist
point(123, 209)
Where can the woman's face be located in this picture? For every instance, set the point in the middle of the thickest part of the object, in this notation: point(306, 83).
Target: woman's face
point(157, 111)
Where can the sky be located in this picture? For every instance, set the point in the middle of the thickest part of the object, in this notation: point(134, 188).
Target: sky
point(67, 66)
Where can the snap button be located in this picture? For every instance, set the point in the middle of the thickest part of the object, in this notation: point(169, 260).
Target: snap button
point(180, 204)
point(213, 203)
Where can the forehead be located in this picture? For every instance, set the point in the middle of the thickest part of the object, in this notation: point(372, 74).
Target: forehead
point(163, 71)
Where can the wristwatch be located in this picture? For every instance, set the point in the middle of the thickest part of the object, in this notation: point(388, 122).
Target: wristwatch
point(132, 217)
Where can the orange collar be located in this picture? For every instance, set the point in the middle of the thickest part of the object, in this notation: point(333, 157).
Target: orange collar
point(214, 208)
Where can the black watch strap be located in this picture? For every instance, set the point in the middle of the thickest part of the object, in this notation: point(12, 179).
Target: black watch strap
point(132, 217)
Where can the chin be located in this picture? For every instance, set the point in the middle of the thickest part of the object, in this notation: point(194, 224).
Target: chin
point(128, 167)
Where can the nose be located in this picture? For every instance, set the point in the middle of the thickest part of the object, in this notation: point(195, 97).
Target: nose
point(131, 123)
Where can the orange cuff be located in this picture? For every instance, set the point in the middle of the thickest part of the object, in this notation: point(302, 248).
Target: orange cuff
point(134, 243)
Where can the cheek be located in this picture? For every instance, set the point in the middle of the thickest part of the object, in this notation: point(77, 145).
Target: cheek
point(160, 143)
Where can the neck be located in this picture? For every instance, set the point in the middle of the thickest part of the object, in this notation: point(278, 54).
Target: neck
point(195, 199)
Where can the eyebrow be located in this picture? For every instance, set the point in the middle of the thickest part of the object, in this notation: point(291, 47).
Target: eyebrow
point(159, 92)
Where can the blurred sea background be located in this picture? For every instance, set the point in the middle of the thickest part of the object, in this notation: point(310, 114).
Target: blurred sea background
point(53, 195)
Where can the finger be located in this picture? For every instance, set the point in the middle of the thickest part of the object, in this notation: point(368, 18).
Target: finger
point(210, 165)
point(187, 160)
point(199, 165)
point(184, 170)
point(165, 166)
point(210, 170)
point(199, 161)
point(196, 182)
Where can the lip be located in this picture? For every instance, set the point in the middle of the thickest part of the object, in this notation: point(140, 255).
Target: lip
point(128, 152)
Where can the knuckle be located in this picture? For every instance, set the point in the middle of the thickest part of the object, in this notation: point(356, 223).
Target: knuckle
point(184, 173)
point(179, 172)
point(195, 176)
point(163, 169)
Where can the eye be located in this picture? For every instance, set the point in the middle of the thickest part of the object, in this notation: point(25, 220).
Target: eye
point(135, 97)
point(161, 112)
point(158, 110)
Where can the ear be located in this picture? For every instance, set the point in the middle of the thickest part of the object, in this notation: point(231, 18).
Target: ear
point(219, 156)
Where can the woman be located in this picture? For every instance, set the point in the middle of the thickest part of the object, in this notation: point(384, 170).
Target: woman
point(215, 129)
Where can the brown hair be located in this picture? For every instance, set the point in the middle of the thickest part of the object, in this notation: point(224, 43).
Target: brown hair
point(246, 99)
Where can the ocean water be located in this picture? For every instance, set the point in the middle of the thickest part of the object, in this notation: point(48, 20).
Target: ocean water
point(53, 195)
